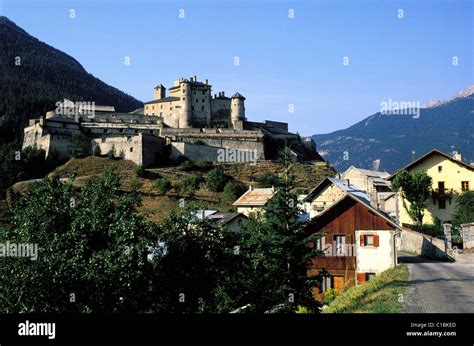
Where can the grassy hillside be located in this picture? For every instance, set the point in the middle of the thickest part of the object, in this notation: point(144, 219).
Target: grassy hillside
point(380, 295)
point(156, 207)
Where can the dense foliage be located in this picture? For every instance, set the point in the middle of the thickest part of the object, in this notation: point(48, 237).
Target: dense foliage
point(415, 187)
point(216, 179)
point(464, 209)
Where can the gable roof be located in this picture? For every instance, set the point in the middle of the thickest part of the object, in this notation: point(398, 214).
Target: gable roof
point(378, 178)
point(362, 201)
point(255, 197)
point(428, 154)
point(341, 184)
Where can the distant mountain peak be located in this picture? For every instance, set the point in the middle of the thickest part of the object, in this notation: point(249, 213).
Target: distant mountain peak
point(466, 92)
point(463, 93)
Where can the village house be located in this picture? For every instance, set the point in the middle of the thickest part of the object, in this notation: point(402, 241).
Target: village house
point(450, 177)
point(254, 200)
point(357, 240)
point(377, 186)
point(231, 220)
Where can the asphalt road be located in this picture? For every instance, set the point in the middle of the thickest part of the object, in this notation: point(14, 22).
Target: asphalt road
point(439, 287)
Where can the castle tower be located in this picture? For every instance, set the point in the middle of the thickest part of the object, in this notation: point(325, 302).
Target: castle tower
point(160, 92)
point(186, 115)
point(237, 110)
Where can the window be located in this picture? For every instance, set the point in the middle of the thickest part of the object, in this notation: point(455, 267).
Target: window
point(202, 108)
point(131, 149)
point(103, 140)
point(146, 107)
point(442, 203)
point(192, 108)
point(340, 245)
point(197, 100)
point(369, 240)
point(465, 185)
point(440, 169)
point(441, 187)
point(204, 92)
point(161, 107)
point(369, 276)
point(152, 107)
point(203, 100)
point(105, 130)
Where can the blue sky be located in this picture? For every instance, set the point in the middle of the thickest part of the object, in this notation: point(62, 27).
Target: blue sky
point(283, 61)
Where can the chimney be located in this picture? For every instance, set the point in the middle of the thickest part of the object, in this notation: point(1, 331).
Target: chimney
point(207, 81)
point(457, 156)
point(374, 199)
point(250, 188)
point(203, 214)
point(273, 188)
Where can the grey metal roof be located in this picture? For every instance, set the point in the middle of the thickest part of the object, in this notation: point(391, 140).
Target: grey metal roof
point(238, 96)
point(166, 99)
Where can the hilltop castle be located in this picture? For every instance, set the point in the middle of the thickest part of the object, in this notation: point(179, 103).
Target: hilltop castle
point(188, 124)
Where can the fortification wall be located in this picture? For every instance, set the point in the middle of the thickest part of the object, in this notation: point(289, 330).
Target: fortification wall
point(142, 149)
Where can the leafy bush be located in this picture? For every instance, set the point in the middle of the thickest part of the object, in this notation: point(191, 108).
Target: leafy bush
point(464, 209)
point(162, 185)
point(204, 165)
point(435, 230)
point(233, 190)
point(140, 171)
point(268, 180)
point(189, 184)
point(330, 295)
point(216, 179)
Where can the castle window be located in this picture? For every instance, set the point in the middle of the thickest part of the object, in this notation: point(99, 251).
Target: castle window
point(203, 100)
point(184, 98)
point(131, 149)
point(152, 107)
point(121, 130)
point(192, 108)
point(171, 108)
point(161, 107)
point(105, 130)
point(203, 92)
point(465, 185)
point(202, 108)
point(197, 100)
point(103, 140)
point(440, 169)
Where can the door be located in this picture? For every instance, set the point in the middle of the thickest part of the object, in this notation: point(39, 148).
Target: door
point(338, 283)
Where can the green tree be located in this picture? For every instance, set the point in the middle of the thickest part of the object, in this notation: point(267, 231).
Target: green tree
point(112, 152)
point(268, 179)
point(193, 261)
point(414, 187)
point(97, 151)
point(92, 248)
point(233, 190)
point(276, 251)
point(216, 179)
point(162, 185)
point(464, 209)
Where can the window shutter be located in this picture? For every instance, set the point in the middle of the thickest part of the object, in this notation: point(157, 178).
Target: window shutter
point(362, 240)
point(349, 245)
point(376, 240)
point(360, 278)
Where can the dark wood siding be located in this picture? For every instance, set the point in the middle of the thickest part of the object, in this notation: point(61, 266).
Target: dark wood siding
point(345, 218)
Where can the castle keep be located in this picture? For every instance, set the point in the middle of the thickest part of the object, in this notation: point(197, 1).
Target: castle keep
point(188, 123)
